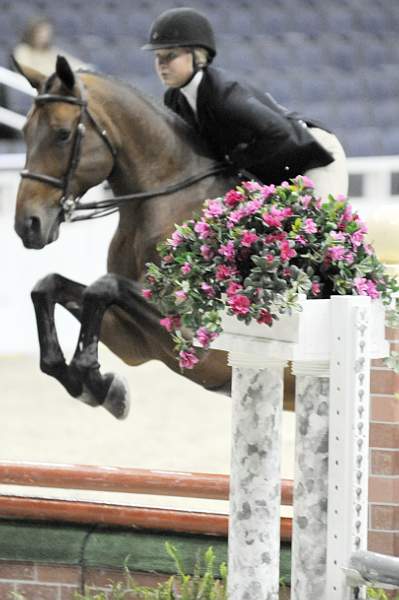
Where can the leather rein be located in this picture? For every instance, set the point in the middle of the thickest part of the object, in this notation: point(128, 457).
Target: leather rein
point(68, 202)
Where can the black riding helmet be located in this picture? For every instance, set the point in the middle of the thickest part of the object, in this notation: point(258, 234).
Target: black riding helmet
point(182, 27)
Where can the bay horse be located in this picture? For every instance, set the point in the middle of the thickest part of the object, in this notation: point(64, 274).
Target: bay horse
point(82, 129)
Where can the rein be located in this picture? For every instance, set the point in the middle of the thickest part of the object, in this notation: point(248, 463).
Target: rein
point(68, 202)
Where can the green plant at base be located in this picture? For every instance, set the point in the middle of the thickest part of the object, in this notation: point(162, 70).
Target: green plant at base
point(379, 594)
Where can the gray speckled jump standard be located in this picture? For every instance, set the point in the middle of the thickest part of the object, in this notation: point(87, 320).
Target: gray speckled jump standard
point(255, 489)
point(311, 489)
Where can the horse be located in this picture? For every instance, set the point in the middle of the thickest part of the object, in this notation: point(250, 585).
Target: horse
point(85, 128)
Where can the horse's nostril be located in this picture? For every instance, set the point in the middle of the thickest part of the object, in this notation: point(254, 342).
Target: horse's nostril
point(32, 225)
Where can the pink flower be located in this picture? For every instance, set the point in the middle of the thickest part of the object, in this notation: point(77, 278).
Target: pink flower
point(300, 240)
point(213, 209)
point(188, 359)
point(336, 252)
point(146, 293)
point(208, 290)
point(268, 190)
point(248, 238)
point(349, 258)
point(265, 317)
point(186, 268)
point(181, 296)
point(338, 236)
point(252, 186)
point(205, 337)
point(285, 184)
point(233, 288)
point(227, 250)
point(306, 200)
point(274, 217)
point(177, 239)
point(207, 252)
point(310, 226)
point(252, 207)
point(341, 198)
point(235, 217)
point(239, 304)
point(366, 287)
point(304, 181)
point(170, 323)
point(203, 230)
point(233, 197)
point(286, 252)
point(358, 237)
point(315, 288)
point(224, 272)
point(168, 259)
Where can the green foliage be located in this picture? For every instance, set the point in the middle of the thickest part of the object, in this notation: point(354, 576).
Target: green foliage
point(204, 584)
point(379, 594)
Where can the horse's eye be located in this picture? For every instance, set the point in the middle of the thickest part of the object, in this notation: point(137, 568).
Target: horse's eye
point(62, 135)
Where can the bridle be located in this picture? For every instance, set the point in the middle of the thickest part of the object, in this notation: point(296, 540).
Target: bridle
point(68, 202)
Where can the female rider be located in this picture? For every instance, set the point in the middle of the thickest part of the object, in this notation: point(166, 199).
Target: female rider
point(236, 121)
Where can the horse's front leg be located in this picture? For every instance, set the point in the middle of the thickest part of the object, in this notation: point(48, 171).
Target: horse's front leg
point(49, 291)
point(141, 322)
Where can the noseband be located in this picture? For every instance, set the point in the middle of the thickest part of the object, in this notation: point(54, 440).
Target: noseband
point(68, 202)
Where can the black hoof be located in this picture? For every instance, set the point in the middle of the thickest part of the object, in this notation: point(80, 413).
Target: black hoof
point(117, 400)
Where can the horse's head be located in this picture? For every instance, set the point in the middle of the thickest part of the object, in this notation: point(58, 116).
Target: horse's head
point(68, 152)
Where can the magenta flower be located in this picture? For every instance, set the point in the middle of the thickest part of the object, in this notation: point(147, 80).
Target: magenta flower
point(248, 238)
point(252, 207)
point(188, 359)
point(300, 240)
point(186, 268)
point(306, 200)
point(176, 239)
point(207, 252)
point(181, 296)
point(268, 190)
point(286, 252)
point(275, 216)
point(214, 208)
point(235, 216)
point(233, 197)
point(310, 226)
point(366, 287)
point(203, 230)
point(316, 289)
point(204, 336)
point(252, 186)
point(227, 250)
point(337, 236)
point(146, 293)
point(208, 290)
point(265, 317)
point(224, 272)
point(305, 181)
point(239, 304)
point(170, 323)
point(233, 288)
point(336, 252)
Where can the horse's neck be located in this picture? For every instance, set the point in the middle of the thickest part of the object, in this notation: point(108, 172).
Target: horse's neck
point(153, 150)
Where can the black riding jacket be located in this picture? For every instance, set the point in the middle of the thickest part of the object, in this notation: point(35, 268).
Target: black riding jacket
point(250, 128)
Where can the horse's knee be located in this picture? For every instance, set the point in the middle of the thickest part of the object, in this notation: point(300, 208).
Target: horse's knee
point(45, 286)
point(104, 290)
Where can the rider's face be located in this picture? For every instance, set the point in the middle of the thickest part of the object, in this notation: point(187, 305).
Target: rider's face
point(174, 66)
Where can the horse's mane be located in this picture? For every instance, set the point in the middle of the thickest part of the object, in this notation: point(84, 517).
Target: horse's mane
point(178, 124)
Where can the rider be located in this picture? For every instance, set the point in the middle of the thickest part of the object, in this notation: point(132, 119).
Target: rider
point(236, 121)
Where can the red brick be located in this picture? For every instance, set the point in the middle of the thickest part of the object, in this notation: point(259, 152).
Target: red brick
point(384, 381)
point(5, 590)
point(103, 578)
point(58, 573)
point(385, 408)
point(392, 334)
point(382, 542)
point(149, 579)
point(384, 435)
point(39, 591)
point(384, 489)
point(68, 592)
point(385, 517)
point(13, 570)
point(384, 462)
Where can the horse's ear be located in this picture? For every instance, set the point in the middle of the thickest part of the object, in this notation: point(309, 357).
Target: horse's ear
point(65, 72)
point(35, 78)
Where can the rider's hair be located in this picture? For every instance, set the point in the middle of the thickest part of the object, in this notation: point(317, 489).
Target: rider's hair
point(201, 56)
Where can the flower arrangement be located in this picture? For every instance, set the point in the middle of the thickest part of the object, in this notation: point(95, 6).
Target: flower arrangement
point(252, 252)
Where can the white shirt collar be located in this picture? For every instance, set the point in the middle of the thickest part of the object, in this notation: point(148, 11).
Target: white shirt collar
point(190, 90)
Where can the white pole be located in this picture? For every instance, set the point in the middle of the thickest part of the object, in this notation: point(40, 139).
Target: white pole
point(255, 481)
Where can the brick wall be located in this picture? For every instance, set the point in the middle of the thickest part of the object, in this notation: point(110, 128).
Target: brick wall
point(384, 456)
point(58, 582)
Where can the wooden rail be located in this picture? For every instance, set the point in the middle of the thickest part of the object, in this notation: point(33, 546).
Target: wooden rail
point(117, 479)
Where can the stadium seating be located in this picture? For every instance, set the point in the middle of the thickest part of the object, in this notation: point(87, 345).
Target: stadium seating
point(337, 61)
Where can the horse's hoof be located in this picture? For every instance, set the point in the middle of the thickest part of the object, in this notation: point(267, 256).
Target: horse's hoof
point(117, 400)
